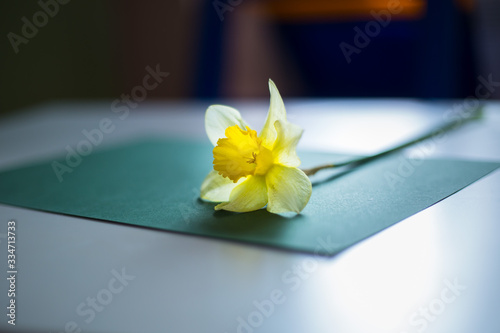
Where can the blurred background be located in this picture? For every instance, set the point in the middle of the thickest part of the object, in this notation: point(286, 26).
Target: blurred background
point(94, 49)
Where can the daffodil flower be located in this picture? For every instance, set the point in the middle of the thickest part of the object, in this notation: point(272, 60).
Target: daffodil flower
point(254, 170)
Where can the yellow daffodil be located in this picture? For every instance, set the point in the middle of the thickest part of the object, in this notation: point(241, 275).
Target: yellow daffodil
point(250, 170)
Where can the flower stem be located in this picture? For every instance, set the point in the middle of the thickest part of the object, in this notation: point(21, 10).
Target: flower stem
point(312, 171)
point(437, 131)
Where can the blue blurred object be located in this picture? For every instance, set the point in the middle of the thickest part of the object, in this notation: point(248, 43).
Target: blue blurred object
point(427, 58)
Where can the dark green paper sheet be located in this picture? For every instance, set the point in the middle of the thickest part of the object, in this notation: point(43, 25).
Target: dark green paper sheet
point(155, 183)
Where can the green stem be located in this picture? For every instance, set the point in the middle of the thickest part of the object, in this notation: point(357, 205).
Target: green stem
point(439, 130)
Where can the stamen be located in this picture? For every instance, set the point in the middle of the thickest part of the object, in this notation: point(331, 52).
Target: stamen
point(252, 160)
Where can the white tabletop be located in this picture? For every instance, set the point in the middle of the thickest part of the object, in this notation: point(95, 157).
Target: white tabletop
point(436, 271)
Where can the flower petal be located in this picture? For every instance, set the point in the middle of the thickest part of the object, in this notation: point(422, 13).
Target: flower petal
point(286, 142)
point(276, 112)
point(289, 189)
point(220, 117)
point(250, 195)
point(217, 188)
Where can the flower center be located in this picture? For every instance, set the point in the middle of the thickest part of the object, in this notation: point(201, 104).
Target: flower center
point(241, 154)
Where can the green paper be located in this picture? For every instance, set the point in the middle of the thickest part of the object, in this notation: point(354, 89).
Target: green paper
point(155, 184)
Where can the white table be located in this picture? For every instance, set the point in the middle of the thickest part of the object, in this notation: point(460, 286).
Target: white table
point(179, 283)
